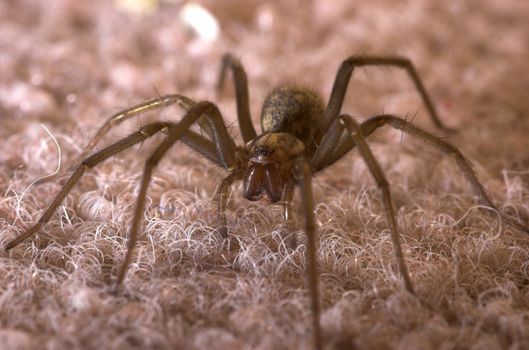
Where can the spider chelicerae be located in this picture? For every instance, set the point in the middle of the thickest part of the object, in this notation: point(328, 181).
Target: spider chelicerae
point(300, 137)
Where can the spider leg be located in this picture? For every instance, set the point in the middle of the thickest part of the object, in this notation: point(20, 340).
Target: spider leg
point(139, 136)
point(224, 155)
point(374, 167)
point(304, 178)
point(242, 95)
point(336, 142)
point(202, 145)
point(464, 164)
point(158, 103)
point(345, 143)
point(117, 118)
point(222, 200)
point(328, 156)
point(288, 194)
point(226, 152)
point(345, 71)
point(327, 151)
point(121, 116)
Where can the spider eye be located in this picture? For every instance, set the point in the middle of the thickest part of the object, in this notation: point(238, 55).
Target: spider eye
point(263, 151)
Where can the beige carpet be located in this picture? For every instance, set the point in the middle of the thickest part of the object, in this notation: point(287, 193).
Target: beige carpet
point(65, 66)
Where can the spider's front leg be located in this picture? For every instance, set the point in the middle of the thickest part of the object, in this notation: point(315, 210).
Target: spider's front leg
point(338, 142)
point(134, 111)
point(225, 151)
point(139, 136)
point(221, 150)
point(321, 159)
point(374, 167)
point(160, 102)
point(303, 174)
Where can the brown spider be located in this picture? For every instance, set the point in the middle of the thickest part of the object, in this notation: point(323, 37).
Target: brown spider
point(300, 138)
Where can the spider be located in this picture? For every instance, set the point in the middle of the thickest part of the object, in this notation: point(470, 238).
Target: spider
point(300, 137)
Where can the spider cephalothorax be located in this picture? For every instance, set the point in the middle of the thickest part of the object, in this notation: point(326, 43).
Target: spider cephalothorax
point(270, 166)
point(299, 138)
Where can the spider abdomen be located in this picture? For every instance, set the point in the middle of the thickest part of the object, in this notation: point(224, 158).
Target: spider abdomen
point(292, 109)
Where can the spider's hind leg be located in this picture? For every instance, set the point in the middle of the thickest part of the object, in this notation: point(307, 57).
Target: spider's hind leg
point(463, 163)
point(242, 95)
point(345, 72)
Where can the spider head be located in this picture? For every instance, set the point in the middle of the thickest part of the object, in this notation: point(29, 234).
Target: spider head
point(270, 165)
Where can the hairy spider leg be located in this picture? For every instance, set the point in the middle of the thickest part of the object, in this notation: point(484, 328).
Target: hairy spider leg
point(242, 99)
point(288, 218)
point(192, 139)
point(463, 163)
point(355, 133)
point(221, 198)
point(225, 151)
point(303, 173)
point(343, 77)
point(241, 95)
point(157, 103)
point(139, 136)
point(332, 150)
point(121, 116)
point(222, 152)
point(374, 167)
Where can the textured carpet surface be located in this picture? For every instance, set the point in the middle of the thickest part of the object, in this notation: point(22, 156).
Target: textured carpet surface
point(65, 66)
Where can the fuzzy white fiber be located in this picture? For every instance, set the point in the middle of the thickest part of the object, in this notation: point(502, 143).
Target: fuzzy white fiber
point(66, 66)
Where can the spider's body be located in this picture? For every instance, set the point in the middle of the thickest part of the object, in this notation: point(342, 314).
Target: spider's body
point(294, 110)
point(300, 137)
point(289, 121)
